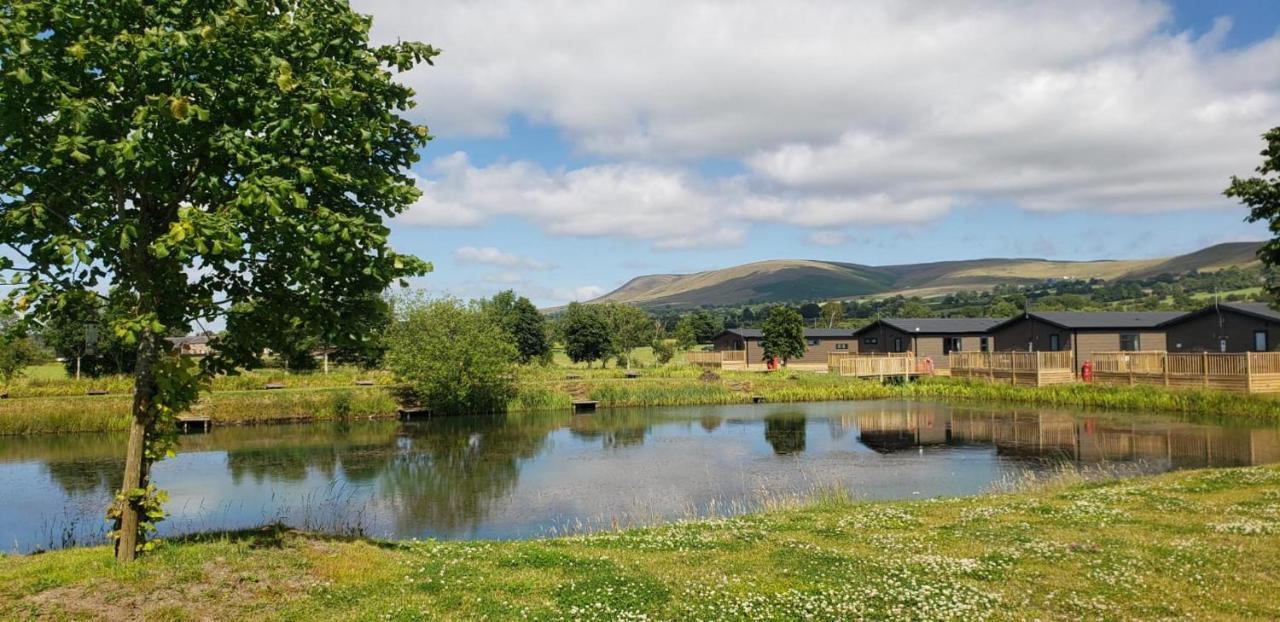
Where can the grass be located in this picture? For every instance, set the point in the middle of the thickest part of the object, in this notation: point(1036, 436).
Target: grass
point(1192, 545)
point(307, 398)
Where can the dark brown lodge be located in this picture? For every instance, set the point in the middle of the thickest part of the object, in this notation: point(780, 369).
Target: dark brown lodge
point(1084, 332)
point(935, 338)
point(818, 341)
point(1226, 327)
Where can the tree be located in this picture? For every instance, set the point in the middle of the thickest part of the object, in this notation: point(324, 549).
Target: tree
point(631, 328)
point(1261, 195)
point(17, 351)
point(832, 313)
point(810, 311)
point(783, 334)
point(232, 160)
point(454, 356)
point(584, 329)
point(523, 323)
point(697, 327)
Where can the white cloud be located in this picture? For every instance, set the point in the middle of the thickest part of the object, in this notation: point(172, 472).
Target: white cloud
point(494, 257)
point(828, 238)
point(576, 294)
point(871, 112)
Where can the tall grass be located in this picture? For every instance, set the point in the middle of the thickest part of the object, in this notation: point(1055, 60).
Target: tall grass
point(46, 385)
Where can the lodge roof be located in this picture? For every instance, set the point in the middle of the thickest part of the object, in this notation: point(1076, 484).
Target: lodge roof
point(936, 325)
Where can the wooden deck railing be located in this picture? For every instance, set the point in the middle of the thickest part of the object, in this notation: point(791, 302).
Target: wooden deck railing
point(877, 366)
point(1012, 361)
point(1254, 372)
point(716, 358)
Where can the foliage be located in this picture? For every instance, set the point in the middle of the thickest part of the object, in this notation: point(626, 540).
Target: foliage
point(700, 326)
point(630, 328)
point(584, 330)
point(453, 356)
point(663, 351)
point(17, 352)
point(234, 160)
point(523, 323)
point(783, 334)
point(1261, 195)
point(832, 313)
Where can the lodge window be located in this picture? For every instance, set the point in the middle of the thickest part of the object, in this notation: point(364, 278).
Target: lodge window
point(983, 344)
point(871, 341)
point(1260, 341)
point(1130, 342)
point(1055, 343)
point(842, 346)
point(813, 342)
point(950, 344)
point(897, 344)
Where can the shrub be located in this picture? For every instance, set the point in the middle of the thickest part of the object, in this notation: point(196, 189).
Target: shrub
point(453, 356)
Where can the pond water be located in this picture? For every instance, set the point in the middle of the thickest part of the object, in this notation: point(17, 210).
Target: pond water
point(541, 474)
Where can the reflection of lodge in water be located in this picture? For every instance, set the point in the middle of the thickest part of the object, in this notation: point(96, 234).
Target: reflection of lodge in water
point(1081, 438)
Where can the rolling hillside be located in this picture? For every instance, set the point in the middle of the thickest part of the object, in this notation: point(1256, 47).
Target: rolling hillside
point(801, 279)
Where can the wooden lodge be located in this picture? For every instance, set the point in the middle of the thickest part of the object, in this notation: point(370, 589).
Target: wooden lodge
point(1242, 372)
point(1225, 327)
point(1031, 369)
point(741, 346)
point(1082, 333)
point(931, 338)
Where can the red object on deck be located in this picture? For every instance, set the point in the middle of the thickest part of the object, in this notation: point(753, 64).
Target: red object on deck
point(773, 363)
point(1086, 371)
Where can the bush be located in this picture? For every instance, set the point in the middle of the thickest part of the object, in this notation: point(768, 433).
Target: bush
point(453, 356)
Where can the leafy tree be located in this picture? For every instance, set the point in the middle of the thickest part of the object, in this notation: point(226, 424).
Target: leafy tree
point(748, 316)
point(1261, 195)
point(810, 311)
point(631, 328)
point(697, 327)
point(1002, 309)
point(584, 329)
point(832, 313)
point(523, 323)
point(663, 350)
point(232, 159)
point(783, 334)
point(454, 356)
point(17, 351)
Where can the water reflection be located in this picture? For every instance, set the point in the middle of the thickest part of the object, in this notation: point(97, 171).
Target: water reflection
point(522, 475)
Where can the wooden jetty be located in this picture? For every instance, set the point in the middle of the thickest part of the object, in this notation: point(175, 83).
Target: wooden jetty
point(364, 383)
point(271, 386)
point(584, 406)
point(188, 422)
point(757, 399)
point(96, 392)
point(413, 412)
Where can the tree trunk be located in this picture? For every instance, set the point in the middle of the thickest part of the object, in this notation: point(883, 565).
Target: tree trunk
point(77, 368)
point(135, 464)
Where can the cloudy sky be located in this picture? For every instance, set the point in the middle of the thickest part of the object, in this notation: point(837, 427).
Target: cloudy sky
point(580, 144)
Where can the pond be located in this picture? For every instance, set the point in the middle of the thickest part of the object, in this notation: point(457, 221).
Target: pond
point(541, 474)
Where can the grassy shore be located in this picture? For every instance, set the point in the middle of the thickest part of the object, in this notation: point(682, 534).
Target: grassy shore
point(316, 397)
point(1193, 545)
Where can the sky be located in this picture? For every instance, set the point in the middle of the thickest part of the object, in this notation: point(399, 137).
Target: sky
point(578, 145)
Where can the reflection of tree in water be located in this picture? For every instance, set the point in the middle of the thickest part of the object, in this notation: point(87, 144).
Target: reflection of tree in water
point(80, 477)
point(785, 432)
point(361, 451)
point(618, 428)
point(448, 472)
point(710, 423)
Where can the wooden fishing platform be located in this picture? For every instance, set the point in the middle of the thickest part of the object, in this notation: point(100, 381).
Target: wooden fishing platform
point(96, 392)
point(271, 386)
point(584, 406)
point(364, 383)
point(189, 422)
point(415, 412)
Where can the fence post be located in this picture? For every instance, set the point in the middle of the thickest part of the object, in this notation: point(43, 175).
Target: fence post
point(1204, 369)
point(1164, 365)
point(1248, 372)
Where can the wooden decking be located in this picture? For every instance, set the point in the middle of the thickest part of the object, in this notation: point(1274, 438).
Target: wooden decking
point(722, 359)
point(1242, 372)
point(1033, 369)
point(881, 367)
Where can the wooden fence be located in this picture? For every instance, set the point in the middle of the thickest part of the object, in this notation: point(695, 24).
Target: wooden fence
point(1245, 372)
point(718, 358)
point(879, 366)
point(1021, 368)
point(834, 358)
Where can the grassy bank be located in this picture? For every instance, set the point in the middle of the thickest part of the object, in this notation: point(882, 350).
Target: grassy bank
point(1196, 545)
point(552, 388)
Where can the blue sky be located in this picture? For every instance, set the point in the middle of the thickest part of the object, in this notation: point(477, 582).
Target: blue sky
point(579, 146)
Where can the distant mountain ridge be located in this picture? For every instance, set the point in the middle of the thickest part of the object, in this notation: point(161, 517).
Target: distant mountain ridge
point(791, 280)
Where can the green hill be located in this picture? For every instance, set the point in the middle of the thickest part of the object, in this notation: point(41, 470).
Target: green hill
point(787, 280)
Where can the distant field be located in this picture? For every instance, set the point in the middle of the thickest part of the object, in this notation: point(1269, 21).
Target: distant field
point(1248, 291)
point(47, 371)
point(642, 357)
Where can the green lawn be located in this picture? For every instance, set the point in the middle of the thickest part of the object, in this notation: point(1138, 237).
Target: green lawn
point(46, 372)
point(1197, 545)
